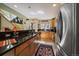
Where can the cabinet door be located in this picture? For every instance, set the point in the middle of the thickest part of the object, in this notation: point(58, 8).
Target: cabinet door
point(20, 48)
point(25, 52)
point(33, 48)
point(26, 49)
point(29, 51)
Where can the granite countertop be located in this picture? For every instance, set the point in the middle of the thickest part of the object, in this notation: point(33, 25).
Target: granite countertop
point(7, 48)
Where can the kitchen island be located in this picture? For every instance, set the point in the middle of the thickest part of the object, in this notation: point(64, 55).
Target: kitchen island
point(24, 46)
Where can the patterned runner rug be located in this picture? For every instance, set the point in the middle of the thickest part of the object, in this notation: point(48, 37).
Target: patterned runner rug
point(44, 50)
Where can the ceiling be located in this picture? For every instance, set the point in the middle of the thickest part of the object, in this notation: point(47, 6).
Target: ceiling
point(42, 11)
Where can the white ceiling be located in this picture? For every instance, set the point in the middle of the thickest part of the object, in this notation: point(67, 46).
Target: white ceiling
point(36, 10)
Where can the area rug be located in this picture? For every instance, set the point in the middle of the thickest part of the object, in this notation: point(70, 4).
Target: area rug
point(44, 50)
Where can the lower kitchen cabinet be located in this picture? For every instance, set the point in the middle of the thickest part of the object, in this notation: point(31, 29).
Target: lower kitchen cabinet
point(10, 53)
point(29, 51)
point(33, 48)
point(27, 48)
point(25, 52)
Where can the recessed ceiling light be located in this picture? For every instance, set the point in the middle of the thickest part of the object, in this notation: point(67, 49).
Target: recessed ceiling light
point(15, 6)
point(54, 5)
point(40, 12)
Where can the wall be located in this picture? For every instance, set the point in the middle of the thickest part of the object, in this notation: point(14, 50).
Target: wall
point(5, 23)
point(6, 8)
